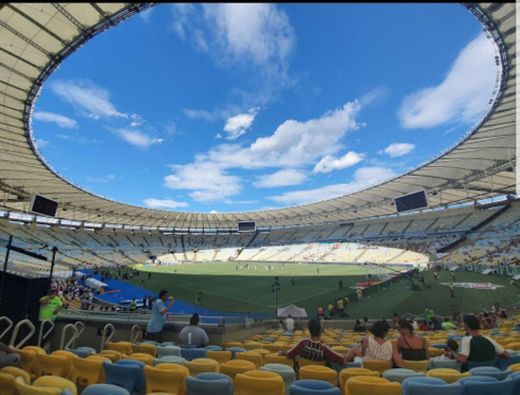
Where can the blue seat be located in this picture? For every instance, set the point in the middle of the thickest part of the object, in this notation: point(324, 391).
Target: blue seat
point(213, 348)
point(192, 353)
point(140, 378)
point(104, 389)
point(484, 379)
point(288, 374)
point(83, 352)
point(506, 387)
point(422, 385)
point(313, 387)
point(234, 350)
point(163, 351)
point(440, 346)
point(209, 384)
point(168, 344)
point(399, 374)
point(515, 377)
point(473, 364)
point(503, 364)
point(440, 362)
point(126, 376)
point(490, 371)
point(170, 359)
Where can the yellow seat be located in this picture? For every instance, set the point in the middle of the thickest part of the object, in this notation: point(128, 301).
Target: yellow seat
point(219, 356)
point(122, 347)
point(514, 367)
point(340, 349)
point(37, 350)
point(371, 385)
point(448, 375)
point(377, 365)
point(515, 346)
point(26, 389)
point(70, 356)
point(318, 372)
point(259, 382)
point(145, 348)
point(146, 358)
point(251, 356)
point(113, 355)
point(275, 347)
point(418, 366)
point(99, 358)
point(16, 372)
point(435, 352)
point(171, 380)
point(28, 361)
point(275, 358)
point(54, 365)
point(201, 365)
point(304, 362)
point(56, 382)
point(252, 345)
point(170, 366)
point(87, 371)
point(347, 373)
point(232, 344)
point(7, 385)
point(236, 366)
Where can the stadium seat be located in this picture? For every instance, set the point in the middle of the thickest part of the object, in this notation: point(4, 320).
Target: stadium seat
point(371, 385)
point(304, 362)
point(252, 345)
point(126, 376)
point(70, 356)
point(213, 348)
point(318, 372)
point(235, 366)
point(275, 358)
point(170, 359)
point(232, 344)
point(163, 351)
point(504, 364)
point(219, 356)
point(313, 387)
point(37, 350)
point(423, 385)
point(444, 363)
point(286, 372)
point(140, 375)
point(400, 374)
point(418, 366)
point(55, 365)
point(435, 352)
point(28, 361)
point(251, 356)
point(377, 365)
point(86, 372)
point(122, 347)
point(202, 365)
point(192, 353)
point(515, 377)
point(490, 371)
point(26, 389)
point(347, 373)
point(258, 382)
point(472, 364)
point(98, 358)
point(235, 350)
point(144, 348)
point(56, 382)
point(484, 379)
point(165, 380)
point(7, 385)
point(83, 352)
point(514, 367)
point(505, 387)
point(16, 372)
point(113, 355)
point(209, 384)
point(146, 358)
point(448, 375)
point(104, 389)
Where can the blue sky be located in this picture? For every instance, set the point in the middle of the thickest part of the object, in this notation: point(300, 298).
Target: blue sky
point(232, 107)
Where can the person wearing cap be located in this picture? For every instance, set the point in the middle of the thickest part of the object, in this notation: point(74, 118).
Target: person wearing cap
point(50, 305)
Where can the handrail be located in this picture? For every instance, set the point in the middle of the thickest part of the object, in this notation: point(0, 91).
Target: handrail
point(40, 332)
point(104, 339)
point(66, 346)
point(9, 326)
point(136, 332)
point(80, 326)
point(32, 330)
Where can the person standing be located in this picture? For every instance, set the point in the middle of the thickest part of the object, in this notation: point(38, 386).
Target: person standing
point(289, 323)
point(50, 306)
point(159, 311)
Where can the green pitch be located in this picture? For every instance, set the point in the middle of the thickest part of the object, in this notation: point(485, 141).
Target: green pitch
point(223, 287)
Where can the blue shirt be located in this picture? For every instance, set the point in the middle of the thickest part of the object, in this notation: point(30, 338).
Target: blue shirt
point(157, 321)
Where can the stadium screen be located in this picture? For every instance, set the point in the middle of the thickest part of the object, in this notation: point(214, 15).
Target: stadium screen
point(44, 206)
point(247, 226)
point(411, 202)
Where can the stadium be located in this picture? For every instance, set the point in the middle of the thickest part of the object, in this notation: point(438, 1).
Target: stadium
point(444, 236)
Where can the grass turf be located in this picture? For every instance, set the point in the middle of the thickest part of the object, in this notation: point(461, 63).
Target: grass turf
point(225, 288)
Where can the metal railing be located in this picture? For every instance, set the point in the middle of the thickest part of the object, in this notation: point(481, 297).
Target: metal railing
point(32, 330)
point(67, 328)
point(9, 326)
point(41, 335)
point(106, 338)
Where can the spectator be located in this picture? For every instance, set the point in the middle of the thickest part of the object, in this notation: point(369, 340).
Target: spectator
point(359, 327)
point(373, 347)
point(133, 305)
point(313, 349)
point(159, 311)
point(50, 306)
point(321, 313)
point(429, 313)
point(192, 335)
point(395, 320)
point(8, 356)
point(451, 349)
point(447, 325)
point(289, 323)
point(409, 347)
point(477, 348)
point(340, 307)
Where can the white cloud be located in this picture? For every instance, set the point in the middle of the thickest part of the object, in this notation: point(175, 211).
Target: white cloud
point(41, 143)
point(207, 182)
point(399, 149)
point(463, 95)
point(137, 138)
point(164, 203)
point(89, 99)
point(146, 15)
point(238, 124)
point(102, 180)
point(280, 178)
point(363, 178)
point(329, 163)
point(60, 120)
point(200, 114)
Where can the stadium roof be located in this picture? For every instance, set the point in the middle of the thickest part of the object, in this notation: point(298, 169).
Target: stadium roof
point(36, 37)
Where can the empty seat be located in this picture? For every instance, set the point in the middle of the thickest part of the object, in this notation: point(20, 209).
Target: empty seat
point(235, 350)
point(145, 358)
point(86, 372)
point(400, 374)
point(16, 372)
point(165, 380)
point(448, 375)
point(28, 361)
point(192, 353)
point(318, 372)
point(126, 376)
point(258, 382)
point(505, 387)
point(113, 355)
point(275, 358)
point(170, 359)
point(122, 347)
point(213, 347)
point(7, 385)
point(209, 384)
point(55, 365)
point(286, 372)
point(422, 385)
point(163, 351)
point(444, 363)
point(235, 366)
point(70, 356)
point(347, 373)
point(220, 356)
point(140, 374)
point(418, 366)
point(489, 371)
point(377, 365)
point(504, 364)
point(313, 387)
point(202, 365)
point(144, 348)
point(26, 389)
point(363, 385)
point(56, 382)
point(83, 352)
point(252, 356)
point(104, 389)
